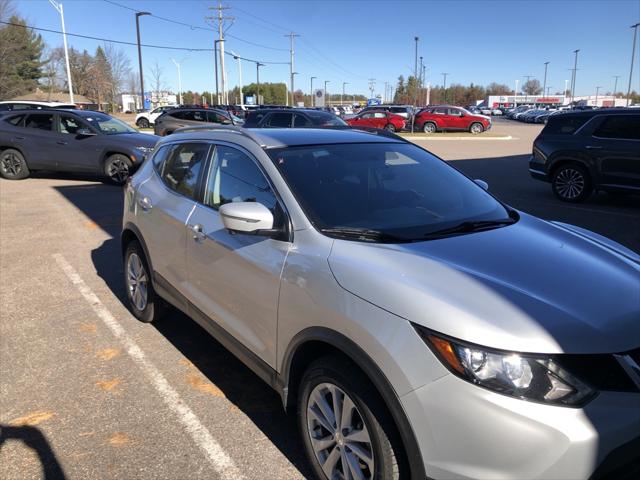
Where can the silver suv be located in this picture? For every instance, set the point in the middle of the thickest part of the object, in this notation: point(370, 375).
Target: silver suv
point(419, 326)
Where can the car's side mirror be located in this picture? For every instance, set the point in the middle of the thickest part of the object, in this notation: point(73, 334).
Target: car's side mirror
point(85, 132)
point(251, 218)
point(482, 183)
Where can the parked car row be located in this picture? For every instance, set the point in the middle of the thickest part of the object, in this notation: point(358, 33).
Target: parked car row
point(533, 114)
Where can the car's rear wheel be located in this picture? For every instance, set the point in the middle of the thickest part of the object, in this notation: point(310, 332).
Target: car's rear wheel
point(476, 128)
point(390, 127)
point(429, 127)
point(117, 168)
point(13, 165)
point(571, 183)
point(144, 303)
point(345, 427)
point(143, 123)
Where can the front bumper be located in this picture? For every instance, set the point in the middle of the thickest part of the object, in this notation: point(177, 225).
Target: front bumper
point(537, 169)
point(465, 432)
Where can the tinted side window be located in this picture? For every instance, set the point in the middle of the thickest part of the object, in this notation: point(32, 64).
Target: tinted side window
point(41, 121)
point(183, 115)
point(199, 116)
point(301, 121)
point(69, 124)
point(565, 124)
point(620, 126)
point(279, 120)
point(236, 178)
point(181, 169)
point(214, 117)
point(159, 157)
point(16, 121)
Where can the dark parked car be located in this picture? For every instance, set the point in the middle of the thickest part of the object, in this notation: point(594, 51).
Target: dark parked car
point(70, 141)
point(292, 118)
point(177, 118)
point(579, 152)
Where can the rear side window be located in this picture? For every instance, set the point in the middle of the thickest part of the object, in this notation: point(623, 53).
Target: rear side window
point(159, 157)
point(182, 167)
point(182, 115)
point(214, 117)
point(619, 126)
point(40, 121)
point(565, 124)
point(15, 121)
point(279, 120)
point(301, 121)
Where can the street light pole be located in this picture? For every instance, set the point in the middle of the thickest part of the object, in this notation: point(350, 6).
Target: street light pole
point(138, 15)
point(326, 101)
point(575, 74)
point(444, 83)
point(177, 64)
point(615, 88)
point(258, 65)
point(597, 91)
point(60, 10)
point(341, 96)
point(415, 64)
point(312, 99)
point(633, 54)
point(237, 57)
point(544, 86)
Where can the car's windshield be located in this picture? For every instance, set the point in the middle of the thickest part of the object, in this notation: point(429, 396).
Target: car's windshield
point(108, 125)
point(394, 188)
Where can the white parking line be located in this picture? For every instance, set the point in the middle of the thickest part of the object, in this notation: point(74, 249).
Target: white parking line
point(221, 462)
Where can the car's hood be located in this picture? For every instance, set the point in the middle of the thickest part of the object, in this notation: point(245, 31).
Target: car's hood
point(534, 286)
point(136, 139)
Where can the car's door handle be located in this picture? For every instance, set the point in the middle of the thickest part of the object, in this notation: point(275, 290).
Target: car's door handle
point(593, 147)
point(61, 142)
point(145, 204)
point(198, 232)
point(18, 138)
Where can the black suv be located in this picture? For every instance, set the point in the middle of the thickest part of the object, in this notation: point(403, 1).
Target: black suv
point(292, 118)
point(594, 149)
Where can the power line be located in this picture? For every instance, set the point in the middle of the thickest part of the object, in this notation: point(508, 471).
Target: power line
point(122, 42)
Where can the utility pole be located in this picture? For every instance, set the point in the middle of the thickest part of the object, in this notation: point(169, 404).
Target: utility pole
point(60, 10)
point(444, 85)
point(237, 57)
point(386, 86)
point(597, 91)
point(615, 87)
point(292, 53)
point(424, 78)
point(312, 99)
point(215, 61)
point(633, 54)
point(326, 100)
point(138, 15)
point(566, 83)
point(221, 19)
point(292, 94)
point(575, 74)
point(258, 65)
point(372, 86)
point(415, 64)
point(177, 64)
point(544, 85)
point(341, 96)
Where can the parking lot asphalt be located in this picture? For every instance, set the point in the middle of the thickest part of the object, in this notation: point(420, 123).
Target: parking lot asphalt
point(87, 391)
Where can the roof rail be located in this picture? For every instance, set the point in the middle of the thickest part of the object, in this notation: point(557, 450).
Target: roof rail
point(222, 128)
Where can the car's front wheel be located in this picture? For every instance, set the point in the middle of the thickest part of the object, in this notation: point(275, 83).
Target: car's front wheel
point(429, 127)
point(571, 183)
point(117, 168)
point(143, 123)
point(145, 305)
point(476, 128)
point(390, 127)
point(345, 428)
point(13, 165)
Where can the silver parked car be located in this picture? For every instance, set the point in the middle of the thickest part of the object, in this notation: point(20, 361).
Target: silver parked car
point(420, 327)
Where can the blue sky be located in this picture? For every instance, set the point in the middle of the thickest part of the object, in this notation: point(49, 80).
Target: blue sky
point(352, 41)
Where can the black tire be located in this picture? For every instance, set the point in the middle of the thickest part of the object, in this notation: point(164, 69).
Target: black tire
point(154, 307)
point(370, 412)
point(476, 127)
point(143, 123)
point(571, 183)
point(389, 127)
point(117, 168)
point(429, 127)
point(13, 165)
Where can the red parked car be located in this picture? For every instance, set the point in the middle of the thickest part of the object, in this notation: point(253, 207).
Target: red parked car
point(445, 117)
point(378, 119)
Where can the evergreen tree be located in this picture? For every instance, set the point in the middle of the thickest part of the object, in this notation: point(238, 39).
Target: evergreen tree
point(20, 59)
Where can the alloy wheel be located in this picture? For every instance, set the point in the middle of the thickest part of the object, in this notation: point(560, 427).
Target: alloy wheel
point(11, 164)
point(429, 128)
point(339, 437)
point(476, 128)
point(137, 282)
point(569, 183)
point(118, 170)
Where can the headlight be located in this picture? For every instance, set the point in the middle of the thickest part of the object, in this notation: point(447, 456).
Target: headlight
point(537, 378)
point(145, 150)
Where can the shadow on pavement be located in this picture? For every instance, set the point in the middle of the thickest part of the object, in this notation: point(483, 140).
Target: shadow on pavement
point(34, 439)
point(103, 205)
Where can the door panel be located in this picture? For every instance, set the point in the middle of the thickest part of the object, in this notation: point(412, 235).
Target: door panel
point(615, 145)
point(75, 153)
point(234, 278)
point(38, 140)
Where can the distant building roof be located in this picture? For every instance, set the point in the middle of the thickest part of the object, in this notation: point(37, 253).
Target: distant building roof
point(63, 97)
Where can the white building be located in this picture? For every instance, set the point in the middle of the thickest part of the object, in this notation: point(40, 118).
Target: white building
point(600, 101)
point(509, 101)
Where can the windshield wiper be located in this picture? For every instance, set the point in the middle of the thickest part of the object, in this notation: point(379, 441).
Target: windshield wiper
point(364, 234)
point(470, 226)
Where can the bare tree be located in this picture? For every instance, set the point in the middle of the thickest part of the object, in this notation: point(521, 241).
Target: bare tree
point(120, 68)
point(132, 84)
point(157, 79)
point(532, 87)
point(52, 69)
